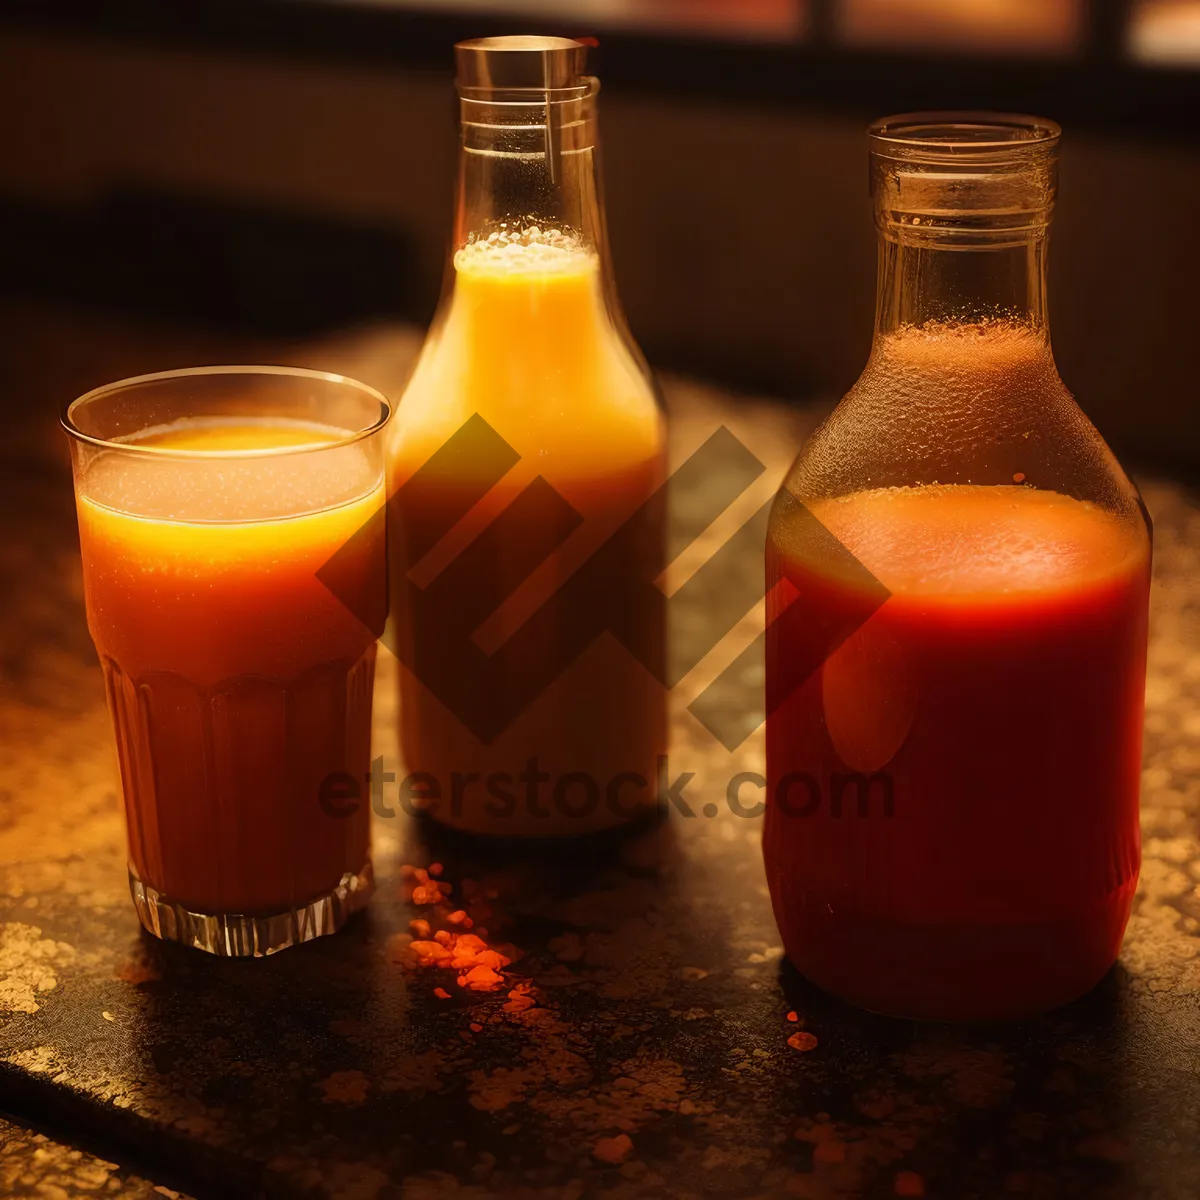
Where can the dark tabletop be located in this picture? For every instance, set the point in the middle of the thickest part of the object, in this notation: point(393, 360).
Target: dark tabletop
point(638, 1044)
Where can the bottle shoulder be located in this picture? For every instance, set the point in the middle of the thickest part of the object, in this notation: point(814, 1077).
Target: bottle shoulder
point(914, 420)
point(589, 407)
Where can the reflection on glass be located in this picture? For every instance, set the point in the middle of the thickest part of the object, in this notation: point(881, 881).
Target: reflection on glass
point(1165, 31)
point(1021, 26)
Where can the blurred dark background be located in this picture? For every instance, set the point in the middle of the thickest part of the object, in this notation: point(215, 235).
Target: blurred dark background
point(284, 168)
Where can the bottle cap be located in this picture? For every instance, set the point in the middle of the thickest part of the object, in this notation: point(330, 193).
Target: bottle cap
point(521, 62)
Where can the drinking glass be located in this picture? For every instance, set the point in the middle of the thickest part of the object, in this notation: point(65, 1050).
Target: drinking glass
point(231, 523)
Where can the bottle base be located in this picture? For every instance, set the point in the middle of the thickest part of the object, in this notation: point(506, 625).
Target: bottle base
point(241, 935)
point(960, 973)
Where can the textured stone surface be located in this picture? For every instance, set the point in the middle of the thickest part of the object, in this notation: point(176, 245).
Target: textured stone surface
point(638, 1045)
point(36, 1167)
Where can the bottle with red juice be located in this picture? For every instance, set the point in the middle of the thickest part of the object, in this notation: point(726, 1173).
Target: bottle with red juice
point(958, 577)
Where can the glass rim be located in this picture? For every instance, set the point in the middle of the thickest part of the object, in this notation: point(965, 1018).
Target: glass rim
point(66, 418)
point(962, 134)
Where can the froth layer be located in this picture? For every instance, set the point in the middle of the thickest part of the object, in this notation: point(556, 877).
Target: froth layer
point(958, 540)
point(529, 250)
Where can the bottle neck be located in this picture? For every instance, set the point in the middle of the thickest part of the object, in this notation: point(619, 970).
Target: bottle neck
point(528, 161)
point(926, 279)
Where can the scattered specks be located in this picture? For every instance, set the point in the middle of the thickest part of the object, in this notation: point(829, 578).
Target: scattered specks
point(28, 966)
point(35, 1166)
point(493, 1091)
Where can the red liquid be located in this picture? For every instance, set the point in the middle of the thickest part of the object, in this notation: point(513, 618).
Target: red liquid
point(1000, 691)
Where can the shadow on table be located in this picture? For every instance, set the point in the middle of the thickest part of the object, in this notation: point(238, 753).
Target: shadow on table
point(1047, 1107)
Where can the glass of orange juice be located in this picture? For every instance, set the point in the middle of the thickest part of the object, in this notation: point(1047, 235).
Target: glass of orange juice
point(211, 503)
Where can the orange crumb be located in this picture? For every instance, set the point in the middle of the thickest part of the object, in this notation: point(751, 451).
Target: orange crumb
point(519, 998)
point(793, 1016)
point(435, 868)
point(480, 979)
point(443, 937)
point(420, 928)
point(457, 917)
point(908, 1183)
point(469, 942)
point(614, 1149)
point(475, 1027)
point(802, 1041)
point(441, 993)
point(429, 953)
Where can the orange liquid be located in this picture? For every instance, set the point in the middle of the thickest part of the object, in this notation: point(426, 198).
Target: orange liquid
point(999, 694)
point(528, 346)
point(237, 682)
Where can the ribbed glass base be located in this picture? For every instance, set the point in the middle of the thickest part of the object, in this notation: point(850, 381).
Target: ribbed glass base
point(237, 935)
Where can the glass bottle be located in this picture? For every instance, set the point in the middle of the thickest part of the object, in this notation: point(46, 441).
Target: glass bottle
point(529, 441)
point(958, 574)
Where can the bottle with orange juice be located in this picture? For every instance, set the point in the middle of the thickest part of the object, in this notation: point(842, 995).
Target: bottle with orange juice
point(958, 574)
point(530, 435)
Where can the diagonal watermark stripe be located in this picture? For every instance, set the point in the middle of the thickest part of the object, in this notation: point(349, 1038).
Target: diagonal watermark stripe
point(613, 591)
